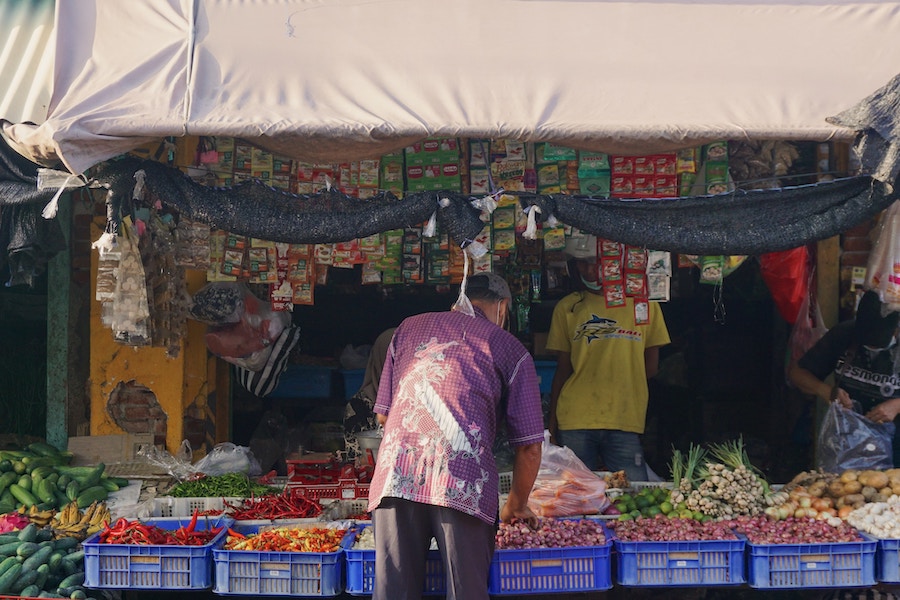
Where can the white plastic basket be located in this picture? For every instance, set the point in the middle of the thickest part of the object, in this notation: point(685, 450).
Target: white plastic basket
point(170, 507)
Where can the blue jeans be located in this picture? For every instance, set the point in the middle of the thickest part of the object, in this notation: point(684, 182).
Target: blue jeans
point(617, 450)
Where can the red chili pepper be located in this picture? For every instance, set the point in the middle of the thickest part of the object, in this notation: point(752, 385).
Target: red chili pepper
point(193, 524)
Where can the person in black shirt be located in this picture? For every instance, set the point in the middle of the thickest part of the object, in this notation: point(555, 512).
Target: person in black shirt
point(864, 357)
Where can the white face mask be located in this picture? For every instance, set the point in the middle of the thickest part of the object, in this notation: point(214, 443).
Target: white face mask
point(594, 286)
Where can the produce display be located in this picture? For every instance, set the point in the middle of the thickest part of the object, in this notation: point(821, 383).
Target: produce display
point(40, 475)
point(32, 564)
point(230, 485)
point(649, 502)
point(719, 482)
point(287, 539)
point(880, 519)
point(124, 531)
point(285, 505)
point(793, 530)
point(70, 521)
point(549, 533)
point(662, 529)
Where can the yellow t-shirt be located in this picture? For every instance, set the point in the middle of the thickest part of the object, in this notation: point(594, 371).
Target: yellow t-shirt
point(608, 385)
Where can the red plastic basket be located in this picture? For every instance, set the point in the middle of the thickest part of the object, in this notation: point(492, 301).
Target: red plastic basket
point(344, 489)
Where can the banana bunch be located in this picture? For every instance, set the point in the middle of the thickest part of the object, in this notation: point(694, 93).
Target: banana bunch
point(39, 517)
point(72, 522)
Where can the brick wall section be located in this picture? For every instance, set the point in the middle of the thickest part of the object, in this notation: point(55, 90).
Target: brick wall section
point(135, 409)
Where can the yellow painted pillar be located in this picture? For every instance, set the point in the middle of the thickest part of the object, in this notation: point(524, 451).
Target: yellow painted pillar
point(177, 382)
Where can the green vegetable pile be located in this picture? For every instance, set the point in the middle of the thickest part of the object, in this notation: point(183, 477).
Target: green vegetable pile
point(234, 485)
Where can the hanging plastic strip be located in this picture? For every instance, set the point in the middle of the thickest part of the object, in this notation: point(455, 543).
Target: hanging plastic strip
point(62, 181)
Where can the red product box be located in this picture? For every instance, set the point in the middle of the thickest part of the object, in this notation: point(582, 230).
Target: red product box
point(643, 165)
point(621, 185)
point(415, 172)
point(642, 185)
point(450, 169)
point(621, 165)
point(664, 164)
point(665, 186)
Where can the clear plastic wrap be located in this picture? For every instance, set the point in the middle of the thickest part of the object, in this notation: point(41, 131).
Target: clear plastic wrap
point(564, 486)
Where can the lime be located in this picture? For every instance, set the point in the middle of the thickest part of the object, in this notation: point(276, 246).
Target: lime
point(642, 502)
point(697, 515)
point(636, 514)
point(685, 514)
point(652, 511)
point(625, 517)
point(681, 506)
point(666, 507)
point(623, 507)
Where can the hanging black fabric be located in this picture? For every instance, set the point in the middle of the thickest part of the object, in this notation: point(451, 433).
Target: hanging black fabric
point(27, 240)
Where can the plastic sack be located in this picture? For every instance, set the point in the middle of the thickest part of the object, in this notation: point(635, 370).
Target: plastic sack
point(848, 440)
point(808, 328)
point(564, 486)
point(228, 458)
point(884, 260)
point(179, 466)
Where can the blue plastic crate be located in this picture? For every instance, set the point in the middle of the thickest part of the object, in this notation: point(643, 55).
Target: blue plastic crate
point(887, 561)
point(304, 381)
point(551, 570)
point(546, 369)
point(170, 567)
point(836, 565)
point(361, 571)
point(677, 564)
point(251, 573)
point(353, 380)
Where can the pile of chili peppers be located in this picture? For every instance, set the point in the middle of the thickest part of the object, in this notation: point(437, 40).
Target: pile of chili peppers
point(287, 539)
point(124, 531)
point(287, 505)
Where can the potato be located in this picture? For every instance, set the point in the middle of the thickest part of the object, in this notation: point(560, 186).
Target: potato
point(895, 489)
point(868, 491)
point(886, 491)
point(849, 475)
point(817, 488)
point(836, 488)
point(852, 487)
point(875, 479)
point(854, 499)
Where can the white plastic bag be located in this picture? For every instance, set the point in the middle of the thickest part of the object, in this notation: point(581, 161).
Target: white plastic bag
point(228, 458)
point(884, 260)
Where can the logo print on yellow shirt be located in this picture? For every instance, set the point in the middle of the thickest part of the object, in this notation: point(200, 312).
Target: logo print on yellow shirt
point(595, 327)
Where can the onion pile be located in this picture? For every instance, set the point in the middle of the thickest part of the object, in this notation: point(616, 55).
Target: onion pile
point(764, 531)
point(549, 533)
point(662, 529)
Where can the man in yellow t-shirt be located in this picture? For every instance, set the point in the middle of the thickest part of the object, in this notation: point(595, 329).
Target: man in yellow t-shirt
point(598, 399)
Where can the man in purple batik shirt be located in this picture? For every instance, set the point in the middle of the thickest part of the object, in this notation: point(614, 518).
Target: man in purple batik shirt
point(449, 380)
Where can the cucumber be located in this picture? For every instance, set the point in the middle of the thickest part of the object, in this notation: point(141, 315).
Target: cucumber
point(28, 533)
point(78, 594)
point(31, 591)
point(27, 549)
point(43, 572)
point(109, 484)
point(76, 578)
point(120, 481)
point(55, 561)
point(25, 482)
point(38, 558)
point(43, 472)
point(7, 563)
point(72, 489)
point(9, 549)
point(43, 449)
point(97, 492)
point(7, 498)
point(64, 544)
point(7, 479)
point(46, 491)
point(9, 578)
point(63, 480)
point(25, 579)
point(75, 556)
point(23, 496)
point(19, 467)
point(67, 567)
point(5, 465)
point(44, 537)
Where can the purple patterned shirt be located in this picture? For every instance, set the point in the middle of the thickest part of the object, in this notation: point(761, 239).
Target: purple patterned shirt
point(443, 386)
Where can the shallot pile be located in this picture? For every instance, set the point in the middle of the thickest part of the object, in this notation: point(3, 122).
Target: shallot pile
point(549, 533)
point(762, 530)
point(663, 529)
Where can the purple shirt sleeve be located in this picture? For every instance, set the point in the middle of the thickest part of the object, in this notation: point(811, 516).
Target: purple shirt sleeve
point(524, 414)
point(386, 384)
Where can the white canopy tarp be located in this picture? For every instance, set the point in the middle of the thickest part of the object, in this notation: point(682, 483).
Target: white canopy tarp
point(348, 79)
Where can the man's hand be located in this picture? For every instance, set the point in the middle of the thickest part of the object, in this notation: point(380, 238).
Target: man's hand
point(884, 412)
point(509, 512)
point(843, 397)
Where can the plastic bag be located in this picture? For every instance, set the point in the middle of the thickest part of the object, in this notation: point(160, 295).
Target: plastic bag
point(848, 440)
point(809, 327)
point(179, 466)
point(228, 458)
point(884, 260)
point(564, 486)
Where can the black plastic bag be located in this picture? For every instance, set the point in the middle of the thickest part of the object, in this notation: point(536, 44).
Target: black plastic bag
point(848, 440)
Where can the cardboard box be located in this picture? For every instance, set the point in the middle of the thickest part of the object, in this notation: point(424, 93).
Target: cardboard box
point(108, 449)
